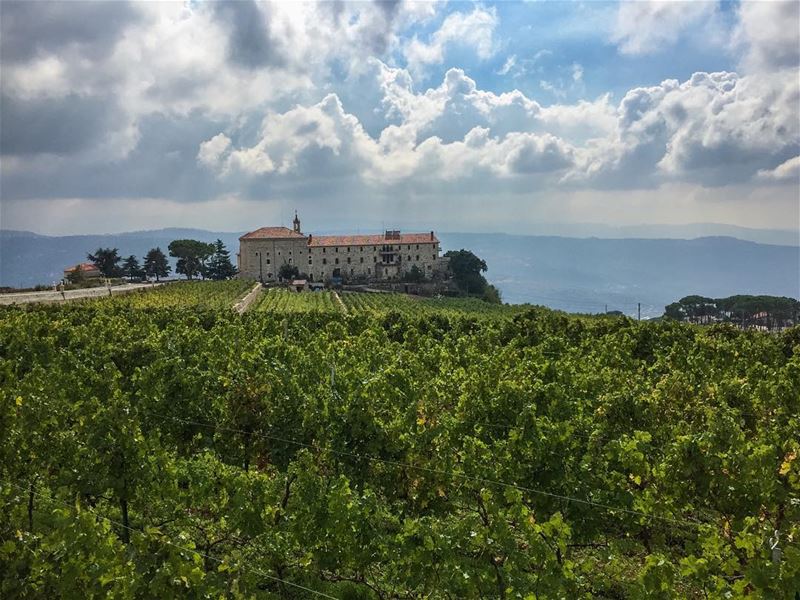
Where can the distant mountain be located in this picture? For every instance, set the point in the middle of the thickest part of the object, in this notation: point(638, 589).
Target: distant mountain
point(575, 274)
point(585, 275)
point(783, 237)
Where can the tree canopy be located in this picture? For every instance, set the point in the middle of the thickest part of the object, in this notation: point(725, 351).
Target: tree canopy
point(107, 261)
point(156, 264)
point(131, 267)
point(288, 272)
point(219, 266)
point(191, 255)
point(467, 271)
point(771, 310)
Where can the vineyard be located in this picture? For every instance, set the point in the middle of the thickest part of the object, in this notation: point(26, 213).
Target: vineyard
point(377, 304)
point(285, 302)
point(199, 294)
point(404, 449)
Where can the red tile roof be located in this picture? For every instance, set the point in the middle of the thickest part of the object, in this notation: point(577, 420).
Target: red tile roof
point(272, 232)
point(371, 240)
point(340, 240)
point(84, 267)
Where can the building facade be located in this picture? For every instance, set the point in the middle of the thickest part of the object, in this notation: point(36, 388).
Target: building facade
point(381, 257)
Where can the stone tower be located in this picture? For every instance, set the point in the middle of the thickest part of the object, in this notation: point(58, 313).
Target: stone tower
point(296, 222)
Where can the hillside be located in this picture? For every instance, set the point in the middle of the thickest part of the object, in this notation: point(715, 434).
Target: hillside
point(574, 274)
point(161, 445)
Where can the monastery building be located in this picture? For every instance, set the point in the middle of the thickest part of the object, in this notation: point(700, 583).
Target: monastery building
point(378, 257)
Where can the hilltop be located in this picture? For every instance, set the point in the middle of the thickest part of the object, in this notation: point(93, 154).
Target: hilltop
point(574, 274)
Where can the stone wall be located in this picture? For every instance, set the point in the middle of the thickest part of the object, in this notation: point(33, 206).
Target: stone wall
point(320, 263)
point(261, 259)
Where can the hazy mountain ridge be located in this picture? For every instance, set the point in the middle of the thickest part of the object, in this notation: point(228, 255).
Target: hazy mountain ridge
point(577, 274)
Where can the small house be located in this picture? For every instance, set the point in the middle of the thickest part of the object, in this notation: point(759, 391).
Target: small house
point(299, 285)
point(88, 271)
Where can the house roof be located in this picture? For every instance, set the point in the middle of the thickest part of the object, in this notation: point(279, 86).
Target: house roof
point(272, 232)
point(367, 240)
point(340, 240)
point(84, 267)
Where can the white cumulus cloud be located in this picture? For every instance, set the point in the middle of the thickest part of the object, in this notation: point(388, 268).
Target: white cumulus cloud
point(474, 29)
point(644, 27)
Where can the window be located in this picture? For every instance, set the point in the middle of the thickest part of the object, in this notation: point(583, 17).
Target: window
point(409, 257)
point(267, 261)
point(352, 271)
point(323, 250)
point(369, 271)
point(362, 260)
point(433, 257)
point(309, 261)
point(337, 261)
point(409, 247)
point(417, 246)
point(417, 257)
point(348, 260)
point(362, 248)
point(374, 259)
point(324, 262)
point(429, 267)
point(348, 248)
point(337, 249)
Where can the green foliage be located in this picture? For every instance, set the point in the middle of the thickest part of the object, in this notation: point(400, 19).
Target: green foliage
point(156, 264)
point(131, 268)
point(107, 261)
point(492, 295)
point(765, 311)
point(414, 275)
point(426, 448)
point(219, 265)
point(191, 255)
point(467, 269)
point(288, 272)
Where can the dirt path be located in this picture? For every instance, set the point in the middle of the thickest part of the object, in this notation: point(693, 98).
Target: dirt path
point(248, 299)
point(339, 300)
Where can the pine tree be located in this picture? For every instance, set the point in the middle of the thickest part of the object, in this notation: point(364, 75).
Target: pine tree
point(131, 268)
point(219, 265)
point(156, 264)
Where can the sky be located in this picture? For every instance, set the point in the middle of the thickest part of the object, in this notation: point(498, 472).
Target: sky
point(458, 116)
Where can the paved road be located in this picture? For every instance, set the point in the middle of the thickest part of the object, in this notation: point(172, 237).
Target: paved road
point(50, 296)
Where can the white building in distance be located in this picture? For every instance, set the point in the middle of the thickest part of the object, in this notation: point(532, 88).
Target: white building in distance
point(378, 257)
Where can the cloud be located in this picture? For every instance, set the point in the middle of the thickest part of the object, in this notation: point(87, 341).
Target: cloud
point(646, 27)
point(323, 103)
point(511, 61)
point(475, 30)
point(32, 29)
point(250, 41)
point(54, 125)
point(770, 35)
point(714, 128)
point(788, 171)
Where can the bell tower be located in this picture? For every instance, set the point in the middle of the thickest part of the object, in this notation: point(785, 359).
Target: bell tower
point(296, 223)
